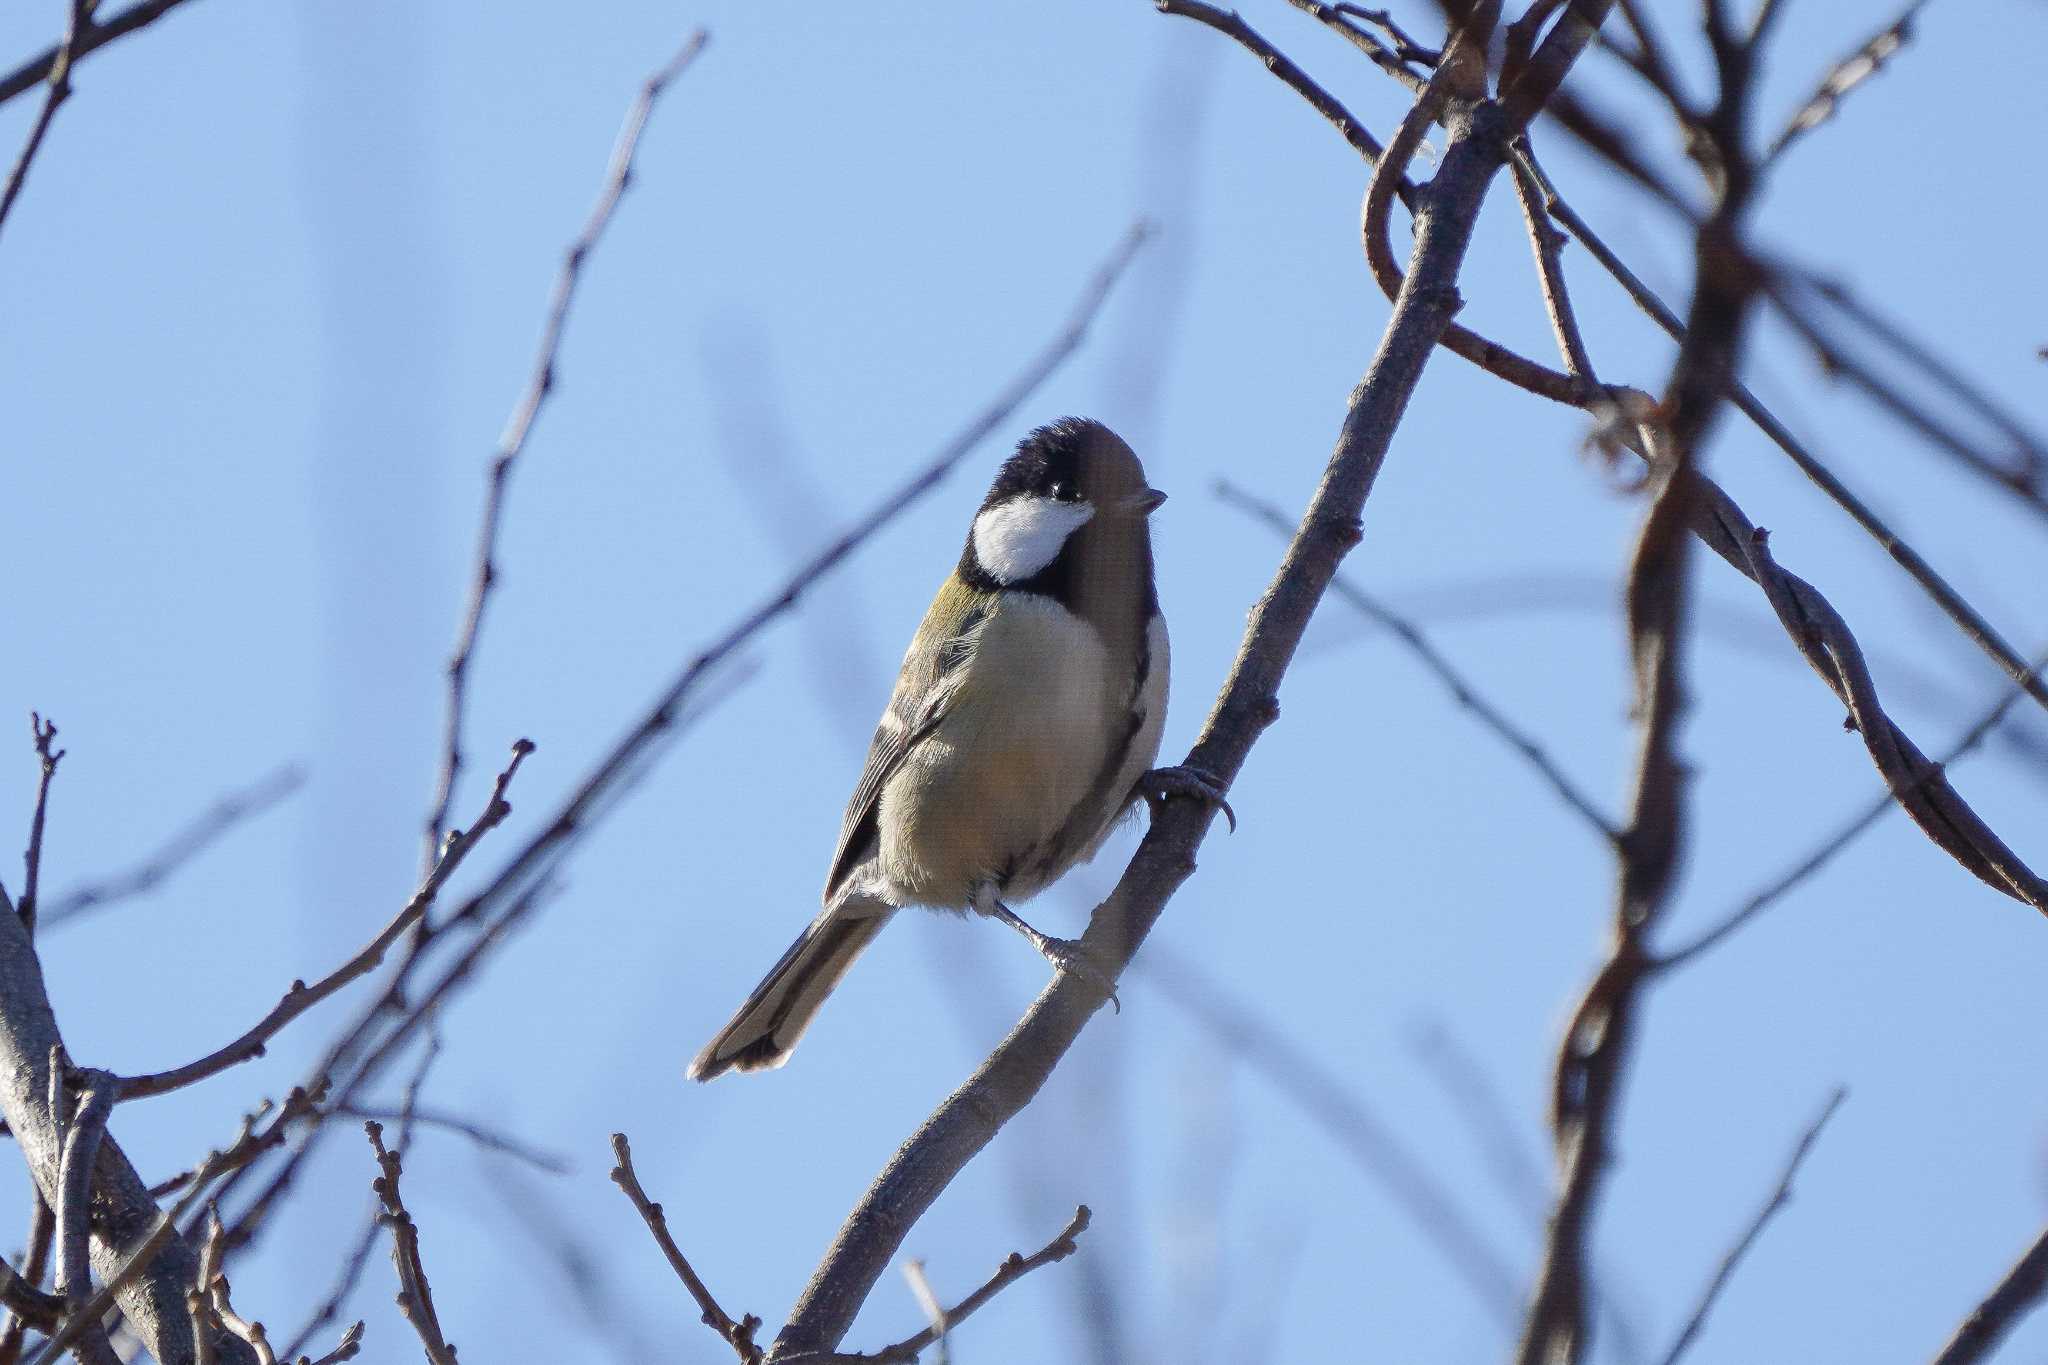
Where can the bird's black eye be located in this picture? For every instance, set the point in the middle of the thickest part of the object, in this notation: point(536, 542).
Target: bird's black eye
point(1061, 492)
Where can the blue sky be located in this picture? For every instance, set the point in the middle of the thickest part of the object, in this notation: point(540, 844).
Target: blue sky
point(273, 288)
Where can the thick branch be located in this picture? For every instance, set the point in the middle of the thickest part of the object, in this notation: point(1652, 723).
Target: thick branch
point(1013, 1073)
point(2019, 1293)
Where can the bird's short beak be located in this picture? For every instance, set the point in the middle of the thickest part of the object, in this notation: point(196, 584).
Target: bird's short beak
point(1142, 504)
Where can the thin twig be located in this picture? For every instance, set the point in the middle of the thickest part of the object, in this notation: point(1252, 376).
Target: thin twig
point(415, 1296)
point(351, 1343)
point(43, 733)
point(1014, 1267)
point(486, 1138)
point(302, 997)
point(26, 1311)
point(1844, 76)
point(1847, 834)
point(181, 848)
point(1461, 689)
point(94, 36)
point(1780, 1196)
point(59, 77)
point(512, 444)
point(738, 1335)
point(2019, 1293)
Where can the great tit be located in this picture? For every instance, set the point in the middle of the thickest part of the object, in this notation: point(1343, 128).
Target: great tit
point(1028, 708)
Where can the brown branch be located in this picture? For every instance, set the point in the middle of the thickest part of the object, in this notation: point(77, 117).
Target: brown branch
point(29, 1309)
point(486, 1138)
point(2019, 1293)
point(1462, 690)
point(738, 1335)
point(1780, 1196)
point(1853, 70)
point(1014, 1268)
point(1847, 834)
point(136, 1254)
point(2030, 448)
point(351, 1343)
point(59, 77)
point(302, 997)
point(1966, 618)
point(30, 1306)
point(91, 37)
point(1322, 101)
point(181, 848)
point(43, 733)
point(1593, 1057)
point(1395, 61)
point(250, 1143)
point(512, 444)
point(206, 1320)
point(415, 1296)
point(1007, 1080)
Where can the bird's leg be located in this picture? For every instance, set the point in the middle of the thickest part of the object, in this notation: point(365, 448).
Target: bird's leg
point(1066, 954)
point(1196, 784)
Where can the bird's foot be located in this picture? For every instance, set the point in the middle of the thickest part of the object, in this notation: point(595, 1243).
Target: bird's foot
point(1066, 954)
point(1196, 784)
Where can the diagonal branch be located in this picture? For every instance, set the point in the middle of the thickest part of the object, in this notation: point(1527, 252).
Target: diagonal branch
point(2019, 1293)
point(511, 445)
point(415, 1296)
point(59, 76)
point(91, 37)
point(1780, 1196)
point(738, 1335)
point(1008, 1079)
point(1015, 1267)
point(182, 847)
point(1462, 690)
point(302, 997)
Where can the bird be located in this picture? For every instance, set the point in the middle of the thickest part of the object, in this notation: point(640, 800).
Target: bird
point(1022, 728)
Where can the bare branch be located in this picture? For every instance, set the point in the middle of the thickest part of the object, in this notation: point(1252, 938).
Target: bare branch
point(1780, 1196)
point(43, 733)
point(302, 997)
point(351, 1343)
point(968, 1119)
point(91, 37)
point(512, 444)
point(1014, 1268)
point(59, 76)
point(1593, 1057)
point(487, 1138)
point(738, 1335)
point(1322, 101)
point(1417, 642)
point(1840, 839)
point(415, 1296)
point(2019, 1293)
point(182, 847)
point(1859, 66)
point(26, 1302)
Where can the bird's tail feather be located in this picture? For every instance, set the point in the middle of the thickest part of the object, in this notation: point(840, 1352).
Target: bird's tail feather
point(762, 1032)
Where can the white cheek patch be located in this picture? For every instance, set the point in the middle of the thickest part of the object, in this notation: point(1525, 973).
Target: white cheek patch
point(1015, 539)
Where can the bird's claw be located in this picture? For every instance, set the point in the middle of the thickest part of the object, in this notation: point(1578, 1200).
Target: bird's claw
point(1072, 955)
point(1196, 784)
